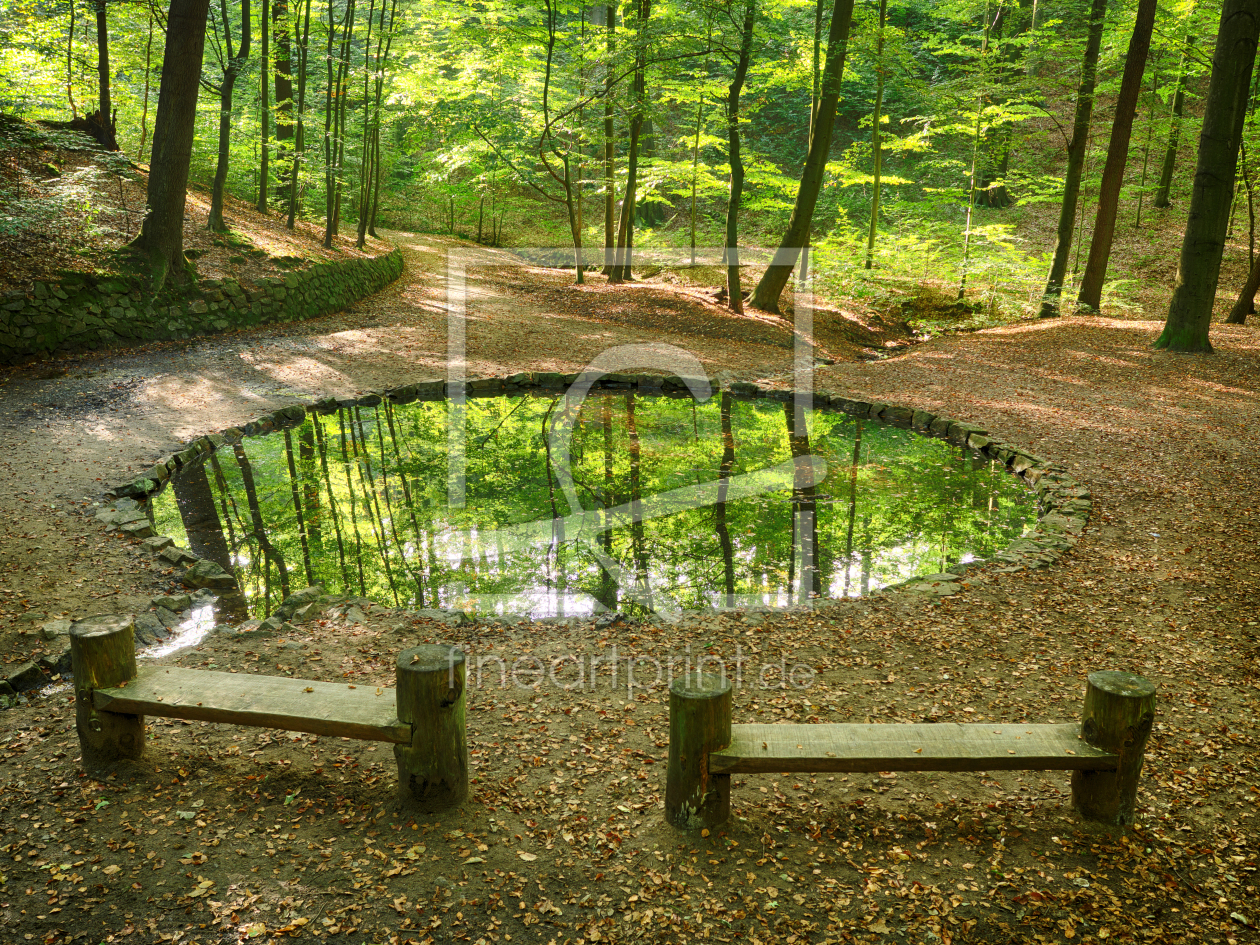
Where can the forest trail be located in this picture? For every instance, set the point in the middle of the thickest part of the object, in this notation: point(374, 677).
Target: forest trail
point(1165, 583)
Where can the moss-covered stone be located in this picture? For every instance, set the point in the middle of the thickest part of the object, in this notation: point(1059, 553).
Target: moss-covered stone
point(67, 317)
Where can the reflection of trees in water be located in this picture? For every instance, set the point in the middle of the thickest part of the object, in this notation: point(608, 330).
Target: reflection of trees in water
point(303, 518)
point(370, 517)
point(260, 531)
point(719, 507)
point(195, 502)
point(848, 538)
point(804, 509)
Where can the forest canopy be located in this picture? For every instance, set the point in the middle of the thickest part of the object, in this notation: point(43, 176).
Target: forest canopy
point(900, 142)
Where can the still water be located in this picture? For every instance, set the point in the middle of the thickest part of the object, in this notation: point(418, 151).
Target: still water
point(662, 504)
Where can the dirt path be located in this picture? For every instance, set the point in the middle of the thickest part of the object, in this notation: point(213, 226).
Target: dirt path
point(1165, 583)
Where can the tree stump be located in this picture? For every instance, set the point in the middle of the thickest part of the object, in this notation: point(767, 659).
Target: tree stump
point(433, 769)
point(1118, 715)
point(699, 722)
point(103, 655)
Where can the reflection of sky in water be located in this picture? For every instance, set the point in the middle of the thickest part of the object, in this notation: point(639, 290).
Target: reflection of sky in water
point(680, 505)
point(200, 620)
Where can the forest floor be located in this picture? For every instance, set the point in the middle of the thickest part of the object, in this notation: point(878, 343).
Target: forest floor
point(227, 834)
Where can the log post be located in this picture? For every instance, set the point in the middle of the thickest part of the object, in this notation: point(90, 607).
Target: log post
point(699, 722)
point(433, 769)
point(103, 655)
point(1118, 715)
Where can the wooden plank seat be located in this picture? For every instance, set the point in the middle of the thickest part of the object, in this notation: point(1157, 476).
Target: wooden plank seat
point(931, 746)
point(1104, 751)
point(295, 705)
point(423, 716)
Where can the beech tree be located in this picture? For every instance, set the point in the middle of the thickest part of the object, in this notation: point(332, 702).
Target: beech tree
point(1174, 132)
point(105, 132)
point(1076, 160)
point(264, 106)
point(232, 62)
point(775, 278)
point(733, 290)
point(161, 236)
point(1225, 111)
point(625, 225)
point(1090, 295)
point(283, 66)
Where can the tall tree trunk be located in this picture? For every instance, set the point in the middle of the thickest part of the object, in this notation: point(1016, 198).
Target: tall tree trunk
point(1146, 149)
point(625, 230)
point(376, 185)
point(877, 154)
point(622, 260)
point(1076, 160)
point(340, 109)
point(806, 249)
point(649, 214)
point(299, 142)
point(264, 107)
point(1246, 298)
point(1089, 298)
point(1224, 112)
point(734, 293)
point(161, 237)
point(74, 109)
point(231, 69)
point(695, 168)
point(284, 95)
point(372, 187)
point(365, 162)
point(775, 278)
point(331, 103)
point(106, 132)
point(1174, 132)
point(148, 73)
point(610, 203)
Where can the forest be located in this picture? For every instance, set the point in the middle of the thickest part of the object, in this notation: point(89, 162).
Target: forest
point(649, 471)
point(886, 146)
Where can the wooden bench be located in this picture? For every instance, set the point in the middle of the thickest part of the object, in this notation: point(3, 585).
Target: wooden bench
point(423, 717)
point(1104, 751)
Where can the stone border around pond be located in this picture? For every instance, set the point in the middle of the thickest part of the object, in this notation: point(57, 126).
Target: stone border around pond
point(1064, 504)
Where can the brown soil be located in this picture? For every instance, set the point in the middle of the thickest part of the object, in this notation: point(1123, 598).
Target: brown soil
point(226, 834)
point(86, 205)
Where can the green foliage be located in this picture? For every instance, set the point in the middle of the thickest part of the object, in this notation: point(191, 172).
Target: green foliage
point(373, 485)
point(466, 136)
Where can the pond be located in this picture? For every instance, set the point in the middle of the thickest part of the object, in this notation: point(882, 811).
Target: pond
point(663, 504)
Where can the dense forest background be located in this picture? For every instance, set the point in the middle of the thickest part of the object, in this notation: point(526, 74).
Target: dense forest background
point(964, 143)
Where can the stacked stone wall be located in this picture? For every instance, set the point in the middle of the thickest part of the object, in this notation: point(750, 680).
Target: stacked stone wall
point(89, 312)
